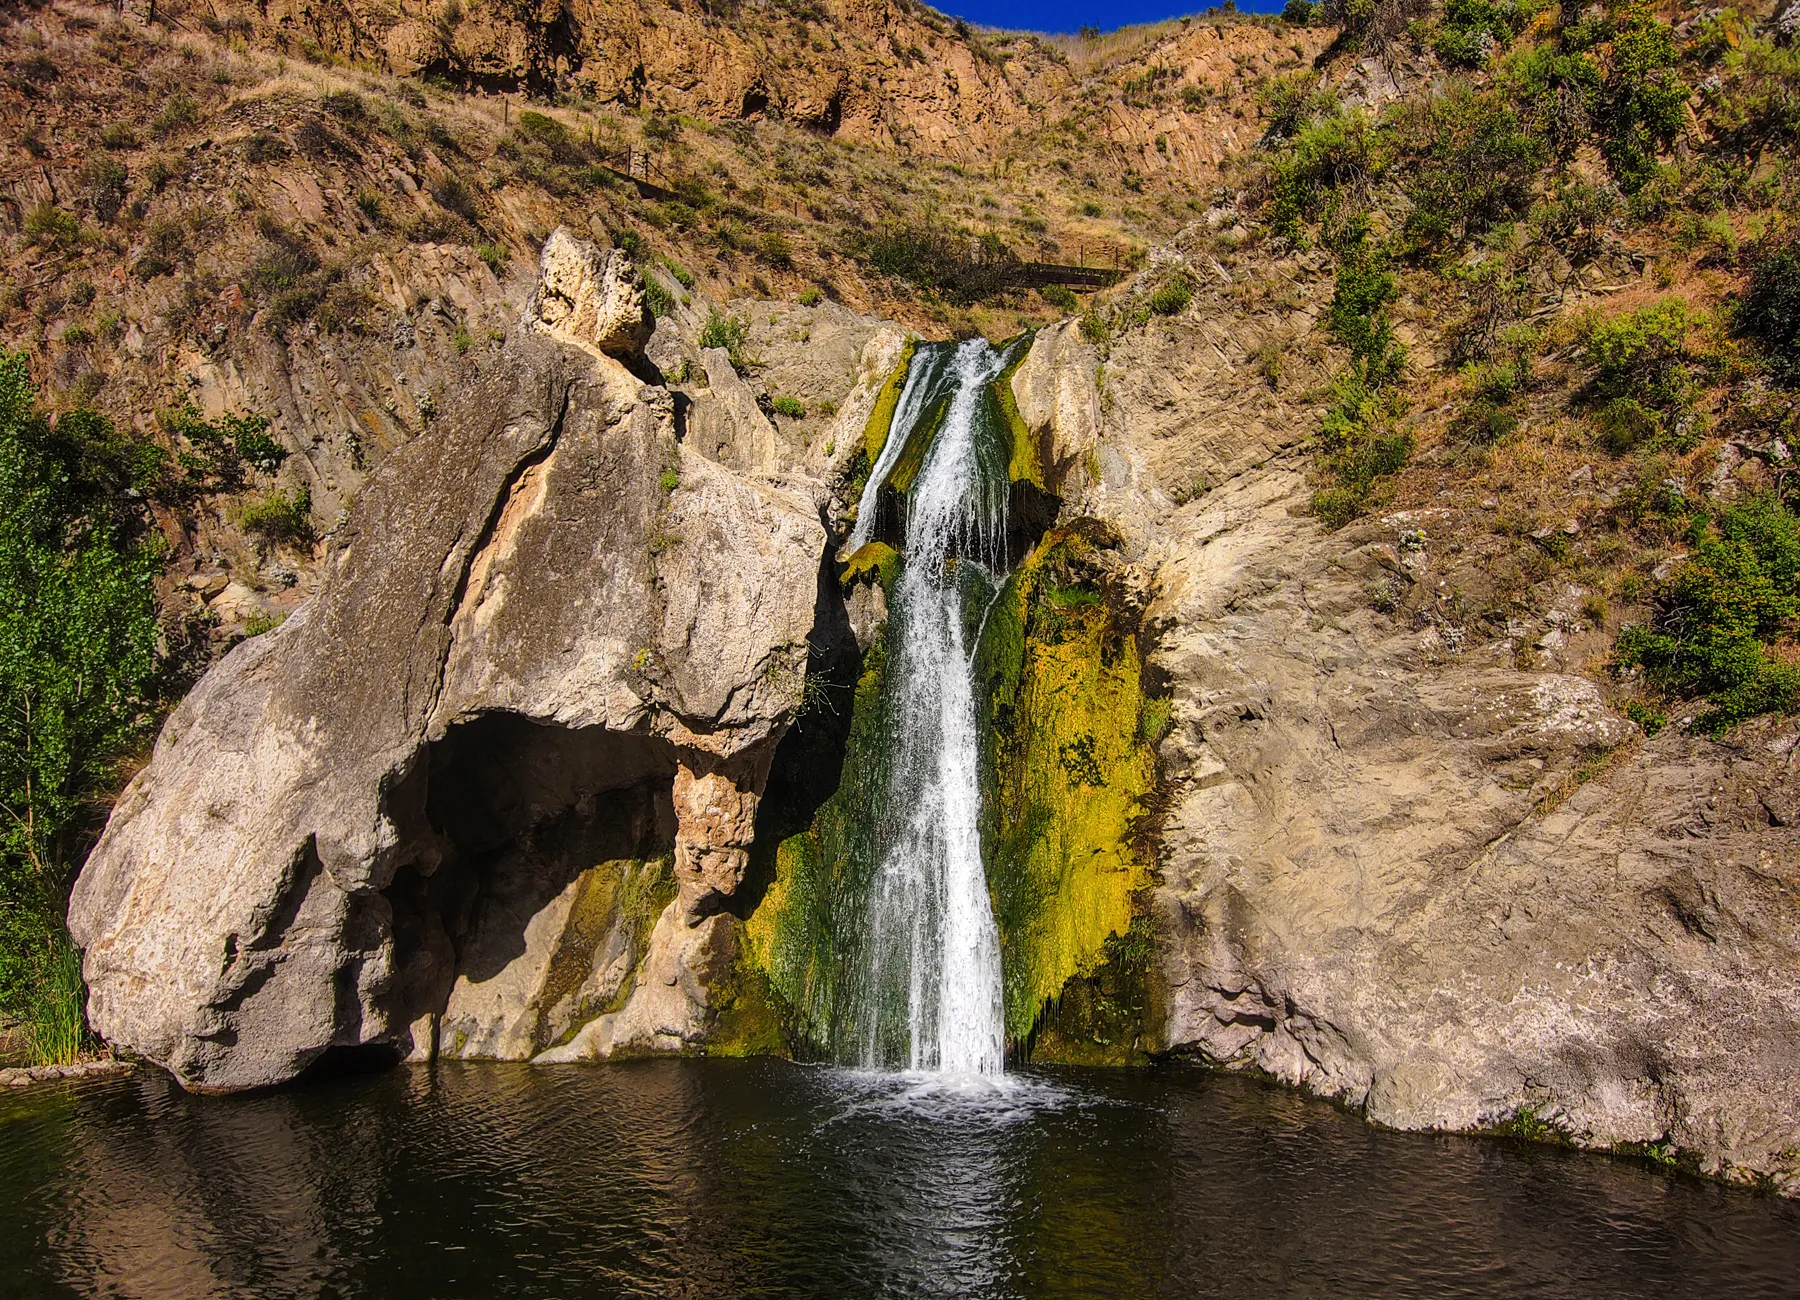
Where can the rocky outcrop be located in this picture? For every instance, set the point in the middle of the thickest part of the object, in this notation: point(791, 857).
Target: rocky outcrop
point(1455, 893)
point(548, 638)
point(1432, 875)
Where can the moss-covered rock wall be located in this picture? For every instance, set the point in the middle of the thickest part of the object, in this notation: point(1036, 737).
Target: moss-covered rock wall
point(1069, 774)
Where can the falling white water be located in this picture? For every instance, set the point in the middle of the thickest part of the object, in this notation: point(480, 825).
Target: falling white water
point(933, 949)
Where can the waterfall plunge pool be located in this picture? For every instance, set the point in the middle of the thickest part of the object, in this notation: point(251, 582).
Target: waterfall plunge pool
point(727, 1178)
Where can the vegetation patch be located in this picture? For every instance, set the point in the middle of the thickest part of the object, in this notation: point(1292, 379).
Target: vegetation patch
point(79, 672)
point(1724, 621)
point(1068, 778)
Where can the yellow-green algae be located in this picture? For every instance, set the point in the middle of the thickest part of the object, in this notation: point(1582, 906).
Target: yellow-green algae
point(631, 891)
point(875, 429)
point(1068, 777)
point(1024, 464)
point(808, 924)
point(873, 559)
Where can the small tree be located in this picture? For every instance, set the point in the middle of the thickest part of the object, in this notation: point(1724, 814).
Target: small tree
point(78, 636)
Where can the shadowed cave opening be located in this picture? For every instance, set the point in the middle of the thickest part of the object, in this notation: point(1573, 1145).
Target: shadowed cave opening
point(537, 859)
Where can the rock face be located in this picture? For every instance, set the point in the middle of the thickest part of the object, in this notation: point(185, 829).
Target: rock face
point(1382, 882)
point(1396, 869)
point(550, 641)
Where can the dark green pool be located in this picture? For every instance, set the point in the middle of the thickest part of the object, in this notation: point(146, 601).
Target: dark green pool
point(759, 1178)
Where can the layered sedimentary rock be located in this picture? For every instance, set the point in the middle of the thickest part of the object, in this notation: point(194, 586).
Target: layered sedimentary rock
point(550, 641)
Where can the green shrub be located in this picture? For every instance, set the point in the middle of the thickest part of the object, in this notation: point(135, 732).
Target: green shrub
point(264, 147)
point(932, 256)
point(1172, 296)
point(1474, 30)
point(1060, 297)
point(774, 249)
point(49, 225)
point(280, 516)
point(1770, 310)
point(1358, 316)
point(1473, 165)
point(1624, 425)
point(685, 277)
point(178, 113)
point(792, 407)
point(346, 104)
point(118, 135)
point(811, 296)
point(728, 332)
point(1642, 354)
point(1738, 591)
point(1299, 12)
point(213, 453)
point(657, 297)
point(1338, 154)
point(541, 129)
point(78, 668)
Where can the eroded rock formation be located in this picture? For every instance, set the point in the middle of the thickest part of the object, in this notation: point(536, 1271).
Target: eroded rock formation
point(549, 640)
point(1435, 877)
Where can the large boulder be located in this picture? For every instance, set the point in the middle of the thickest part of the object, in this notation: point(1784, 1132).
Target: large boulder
point(549, 641)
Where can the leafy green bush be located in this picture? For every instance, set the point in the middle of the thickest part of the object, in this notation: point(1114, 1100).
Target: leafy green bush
point(1473, 30)
point(811, 296)
point(1172, 296)
point(49, 225)
point(932, 256)
point(1642, 354)
point(1738, 591)
point(1299, 12)
point(1770, 311)
point(78, 665)
point(1339, 154)
point(773, 248)
point(1359, 448)
point(1358, 316)
point(792, 407)
point(495, 256)
point(213, 453)
point(1624, 425)
point(1612, 76)
point(177, 114)
point(657, 297)
point(728, 332)
point(1473, 165)
point(1291, 102)
point(1060, 297)
point(280, 516)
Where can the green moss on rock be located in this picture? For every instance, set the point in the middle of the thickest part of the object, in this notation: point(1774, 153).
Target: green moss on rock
point(875, 429)
point(1067, 777)
point(1024, 463)
point(876, 559)
point(751, 1018)
point(806, 932)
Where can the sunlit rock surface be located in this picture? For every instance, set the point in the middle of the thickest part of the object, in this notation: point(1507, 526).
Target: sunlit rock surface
point(542, 606)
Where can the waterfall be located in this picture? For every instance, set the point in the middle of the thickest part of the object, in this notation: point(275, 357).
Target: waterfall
point(930, 988)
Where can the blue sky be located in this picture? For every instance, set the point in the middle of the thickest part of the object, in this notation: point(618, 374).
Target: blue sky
point(1071, 15)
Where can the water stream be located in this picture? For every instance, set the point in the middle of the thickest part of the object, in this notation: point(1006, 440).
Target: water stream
point(928, 997)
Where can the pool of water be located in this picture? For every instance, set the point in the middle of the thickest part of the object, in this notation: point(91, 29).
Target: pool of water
point(759, 1178)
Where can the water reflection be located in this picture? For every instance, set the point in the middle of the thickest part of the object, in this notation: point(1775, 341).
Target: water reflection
point(757, 1178)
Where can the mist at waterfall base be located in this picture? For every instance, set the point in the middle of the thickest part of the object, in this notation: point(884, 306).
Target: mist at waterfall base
point(721, 1178)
